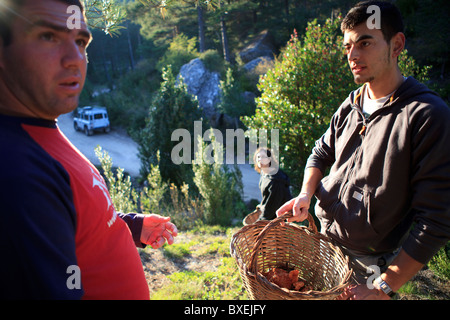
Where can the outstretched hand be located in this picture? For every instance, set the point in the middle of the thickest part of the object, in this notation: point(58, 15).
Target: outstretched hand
point(299, 207)
point(156, 230)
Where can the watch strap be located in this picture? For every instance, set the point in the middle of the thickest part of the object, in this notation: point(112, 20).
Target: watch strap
point(384, 287)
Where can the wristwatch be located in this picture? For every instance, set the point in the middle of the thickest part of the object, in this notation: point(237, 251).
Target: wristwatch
point(384, 286)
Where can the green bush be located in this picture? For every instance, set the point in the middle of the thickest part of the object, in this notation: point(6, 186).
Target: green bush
point(172, 108)
point(233, 102)
point(152, 195)
point(185, 208)
point(213, 61)
point(219, 200)
point(181, 51)
point(219, 186)
point(410, 67)
point(123, 195)
point(308, 82)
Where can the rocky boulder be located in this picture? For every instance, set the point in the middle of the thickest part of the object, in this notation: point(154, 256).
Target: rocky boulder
point(262, 46)
point(260, 65)
point(203, 84)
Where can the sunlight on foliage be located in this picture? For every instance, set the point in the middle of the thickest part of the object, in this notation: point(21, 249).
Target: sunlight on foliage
point(106, 15)
point(123, 195)
point(224, 283)
point(219, 185)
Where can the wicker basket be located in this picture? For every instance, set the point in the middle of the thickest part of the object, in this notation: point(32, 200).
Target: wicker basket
point(259, 247)
point(251, 217)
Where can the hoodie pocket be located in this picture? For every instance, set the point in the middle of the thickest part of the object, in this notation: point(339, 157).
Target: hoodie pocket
point(328, 202)
point(348, 218)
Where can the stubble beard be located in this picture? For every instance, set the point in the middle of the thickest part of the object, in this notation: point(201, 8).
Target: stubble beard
point(360, 80)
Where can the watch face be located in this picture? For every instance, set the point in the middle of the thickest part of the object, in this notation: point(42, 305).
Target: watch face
point(386, 289)
point(384, 286)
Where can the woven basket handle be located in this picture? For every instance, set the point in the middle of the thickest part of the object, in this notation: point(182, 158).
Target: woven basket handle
point(275, 222)
point(287, 215)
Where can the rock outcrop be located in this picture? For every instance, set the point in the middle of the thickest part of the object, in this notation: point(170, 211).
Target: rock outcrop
point(203, 84)
point(258, 55)
point(261, 46)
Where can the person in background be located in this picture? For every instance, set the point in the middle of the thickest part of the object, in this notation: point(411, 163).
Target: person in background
point(386, 199)
point(273, 183)
point(60, 235)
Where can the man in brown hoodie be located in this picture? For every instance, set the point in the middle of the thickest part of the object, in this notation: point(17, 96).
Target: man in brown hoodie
point(386, 199)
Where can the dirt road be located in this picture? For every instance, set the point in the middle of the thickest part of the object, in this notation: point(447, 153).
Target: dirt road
point(124, 153)
point(122, 149)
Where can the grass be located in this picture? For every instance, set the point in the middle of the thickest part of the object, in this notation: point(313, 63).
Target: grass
point(431, 283)
point(440, 263)
point(205, 243)
point(223, 284)
point(211, 243)
point(177, 250)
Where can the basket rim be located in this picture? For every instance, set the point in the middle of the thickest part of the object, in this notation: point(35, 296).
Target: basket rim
point(251, 215)
point(262, 280)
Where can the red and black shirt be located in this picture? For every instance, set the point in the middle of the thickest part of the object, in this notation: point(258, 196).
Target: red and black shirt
point(57, 217)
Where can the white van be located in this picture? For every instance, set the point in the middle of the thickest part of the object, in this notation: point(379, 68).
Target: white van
point(90, 119)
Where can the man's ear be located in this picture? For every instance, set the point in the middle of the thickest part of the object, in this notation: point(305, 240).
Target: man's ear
point(397, 44)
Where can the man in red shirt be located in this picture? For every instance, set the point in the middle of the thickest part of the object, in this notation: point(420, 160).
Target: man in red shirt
point(60, 234)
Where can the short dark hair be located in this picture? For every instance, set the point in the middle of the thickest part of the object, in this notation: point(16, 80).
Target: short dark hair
point(9, 10)
point(391, 18)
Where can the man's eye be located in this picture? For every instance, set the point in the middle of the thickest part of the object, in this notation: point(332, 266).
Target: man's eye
point(47, 36)
point(82, 43)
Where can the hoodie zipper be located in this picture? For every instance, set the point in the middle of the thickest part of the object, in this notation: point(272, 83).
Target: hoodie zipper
point(357, 152)
point(362, 133)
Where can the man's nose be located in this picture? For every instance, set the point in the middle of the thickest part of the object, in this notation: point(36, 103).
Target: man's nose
point(74, 56)
point(352, 54)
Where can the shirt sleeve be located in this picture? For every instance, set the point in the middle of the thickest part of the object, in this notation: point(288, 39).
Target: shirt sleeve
point(430, 184)
point(323, 153)
point(134, 222)
point(37, 233)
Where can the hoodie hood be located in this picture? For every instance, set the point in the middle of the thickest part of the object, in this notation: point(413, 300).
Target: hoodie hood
point(410, 88)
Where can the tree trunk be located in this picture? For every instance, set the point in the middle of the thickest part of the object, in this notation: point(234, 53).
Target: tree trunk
point(130, 47)
point(223, 29)
point(201, 29)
